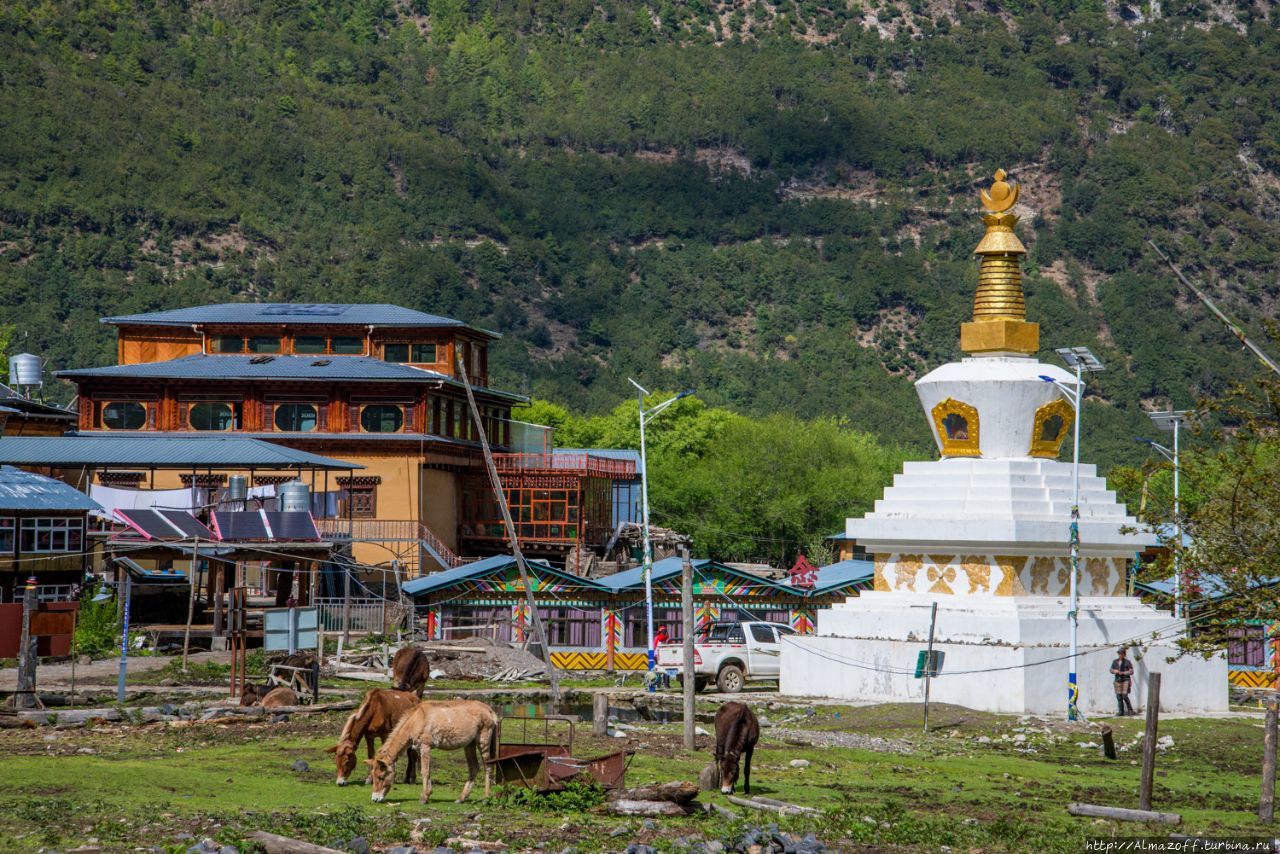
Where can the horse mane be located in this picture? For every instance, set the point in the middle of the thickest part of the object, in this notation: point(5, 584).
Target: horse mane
point(396, 743)
point(360, 713)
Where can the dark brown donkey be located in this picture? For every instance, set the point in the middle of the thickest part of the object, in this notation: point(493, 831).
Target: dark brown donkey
point(377, 716)
point(737, 732)
point(410, 670)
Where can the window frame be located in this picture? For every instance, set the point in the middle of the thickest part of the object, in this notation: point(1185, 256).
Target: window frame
point(232, 405)
point(69, 530)
point(9, 533)
point(106, 404)
point(277, 408)
point(399, 408)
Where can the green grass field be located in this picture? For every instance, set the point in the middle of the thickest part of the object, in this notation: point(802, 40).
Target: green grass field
point(132, 786)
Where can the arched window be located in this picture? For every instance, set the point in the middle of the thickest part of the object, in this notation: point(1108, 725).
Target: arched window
point(295, 417)
point(1053, 422)
point(381, 418)
point(212, 416)
point(957, 427)
point(124, 415)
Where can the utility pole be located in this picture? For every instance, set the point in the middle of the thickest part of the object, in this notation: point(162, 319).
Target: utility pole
point(25, 697)
point(124, 638)
point(690, 683)
point(495, 481)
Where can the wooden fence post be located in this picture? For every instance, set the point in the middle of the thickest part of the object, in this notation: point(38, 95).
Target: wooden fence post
point(1266, 805)
point(25, 697)
point(1149, 742)
point(600, 714)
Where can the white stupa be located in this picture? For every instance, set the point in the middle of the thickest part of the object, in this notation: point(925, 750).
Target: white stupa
point(984, 532)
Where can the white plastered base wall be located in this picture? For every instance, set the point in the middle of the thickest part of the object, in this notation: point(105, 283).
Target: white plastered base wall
point(1003, 654)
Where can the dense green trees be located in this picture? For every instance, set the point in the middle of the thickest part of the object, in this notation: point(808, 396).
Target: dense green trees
point(772, 203)
point(745, 489)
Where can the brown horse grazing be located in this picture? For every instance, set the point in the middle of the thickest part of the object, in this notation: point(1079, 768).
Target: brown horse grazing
point(449, 725)
point(410, 670)
point(737, 732)
point(379, 712)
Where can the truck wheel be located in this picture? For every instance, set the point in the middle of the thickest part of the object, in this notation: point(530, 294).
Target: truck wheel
point(730, 679)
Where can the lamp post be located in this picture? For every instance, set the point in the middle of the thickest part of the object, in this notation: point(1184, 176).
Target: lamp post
point(1172, 421)
point(647, 415)
point(102, 596)
point(1083, 361)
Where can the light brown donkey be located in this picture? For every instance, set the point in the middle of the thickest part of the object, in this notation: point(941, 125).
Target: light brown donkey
point(448, 725)
point(377, 716)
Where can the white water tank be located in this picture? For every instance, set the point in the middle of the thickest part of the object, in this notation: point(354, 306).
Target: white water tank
point(237, 488)
point(26, 370)
point(293, 497)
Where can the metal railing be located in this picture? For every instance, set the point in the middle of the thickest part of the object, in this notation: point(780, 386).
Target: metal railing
point(370, 530)
point(49, 592)
point(364, 616)
point(435, 545)
point(587, 464)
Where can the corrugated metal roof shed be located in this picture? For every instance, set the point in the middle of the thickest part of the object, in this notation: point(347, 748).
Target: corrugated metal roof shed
point(160, 452)
point(670, 567)
point(311, 368)
point(844, 573)
point(23, 490)
point(319, 314)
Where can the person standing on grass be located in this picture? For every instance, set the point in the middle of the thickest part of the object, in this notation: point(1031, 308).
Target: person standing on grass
point(1122, 669)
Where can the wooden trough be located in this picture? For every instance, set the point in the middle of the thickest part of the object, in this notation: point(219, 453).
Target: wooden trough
point(543, 760)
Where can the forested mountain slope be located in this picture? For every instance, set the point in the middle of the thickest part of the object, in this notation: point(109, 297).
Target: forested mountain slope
point(771, 202)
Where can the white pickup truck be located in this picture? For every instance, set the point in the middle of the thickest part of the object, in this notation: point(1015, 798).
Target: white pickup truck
point(729, 654)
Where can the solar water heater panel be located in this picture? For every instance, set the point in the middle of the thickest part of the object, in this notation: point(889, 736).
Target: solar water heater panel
point(240, 525)
point(150, 524)
point(188, 524)
point(292, 526)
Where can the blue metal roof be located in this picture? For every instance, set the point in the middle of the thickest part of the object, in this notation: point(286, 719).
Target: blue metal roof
point(159, 451)
point(320, 314)
point(23, 490)
point(481, 568)
point(844, 573)
point(671, 566)
point(245, 367)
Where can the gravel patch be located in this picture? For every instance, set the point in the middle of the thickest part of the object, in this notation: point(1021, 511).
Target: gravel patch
point(836, 738)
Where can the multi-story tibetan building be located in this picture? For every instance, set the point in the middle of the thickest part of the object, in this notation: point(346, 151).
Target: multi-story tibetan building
point(378, 385)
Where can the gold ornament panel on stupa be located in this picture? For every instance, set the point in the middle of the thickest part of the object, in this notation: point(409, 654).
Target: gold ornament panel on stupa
point(1000, 322)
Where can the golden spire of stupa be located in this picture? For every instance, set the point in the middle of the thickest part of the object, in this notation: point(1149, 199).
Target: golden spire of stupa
point(999, 313)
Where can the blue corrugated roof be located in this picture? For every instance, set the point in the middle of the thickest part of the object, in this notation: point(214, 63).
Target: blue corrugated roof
point(843, 573)
point(23, 490)
point(325, 314)
point(481, 568)
point(244, 367)
point(163, 451)
point(670, 566)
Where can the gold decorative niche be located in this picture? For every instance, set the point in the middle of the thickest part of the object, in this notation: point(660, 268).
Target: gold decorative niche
point(1053, 422)
point(957, 426)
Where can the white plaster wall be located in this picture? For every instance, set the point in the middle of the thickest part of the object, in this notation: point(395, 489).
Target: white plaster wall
point(1006, 391)
point(864, 671)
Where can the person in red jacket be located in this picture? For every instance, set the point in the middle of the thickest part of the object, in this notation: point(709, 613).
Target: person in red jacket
point(659, 638)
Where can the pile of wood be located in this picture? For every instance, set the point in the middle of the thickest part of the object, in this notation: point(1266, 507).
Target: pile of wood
point(675, 798)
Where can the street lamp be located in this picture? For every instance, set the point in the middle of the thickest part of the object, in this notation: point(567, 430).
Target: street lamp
point(1083, 361)
point(646, 415)
point(1171, 421)
point(102, 596)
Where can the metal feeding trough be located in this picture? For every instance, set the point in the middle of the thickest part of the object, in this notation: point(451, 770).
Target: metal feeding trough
point(543, 759)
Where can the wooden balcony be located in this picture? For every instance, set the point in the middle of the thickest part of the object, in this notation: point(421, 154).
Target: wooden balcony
point(590, 465)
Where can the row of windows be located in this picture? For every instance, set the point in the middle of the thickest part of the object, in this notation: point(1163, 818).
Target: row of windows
point(404, 352)
point(41, 535)
point(446, 419)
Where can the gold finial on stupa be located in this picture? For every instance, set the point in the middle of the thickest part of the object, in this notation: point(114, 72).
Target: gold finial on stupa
point(999, 312)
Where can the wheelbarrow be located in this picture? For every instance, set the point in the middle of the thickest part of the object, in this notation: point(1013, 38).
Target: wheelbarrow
point(543, 760)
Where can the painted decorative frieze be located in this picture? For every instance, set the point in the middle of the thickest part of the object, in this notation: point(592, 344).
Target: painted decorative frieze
point(997, 575)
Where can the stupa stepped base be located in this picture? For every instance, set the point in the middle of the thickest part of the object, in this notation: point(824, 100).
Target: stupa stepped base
point(1003, 654)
